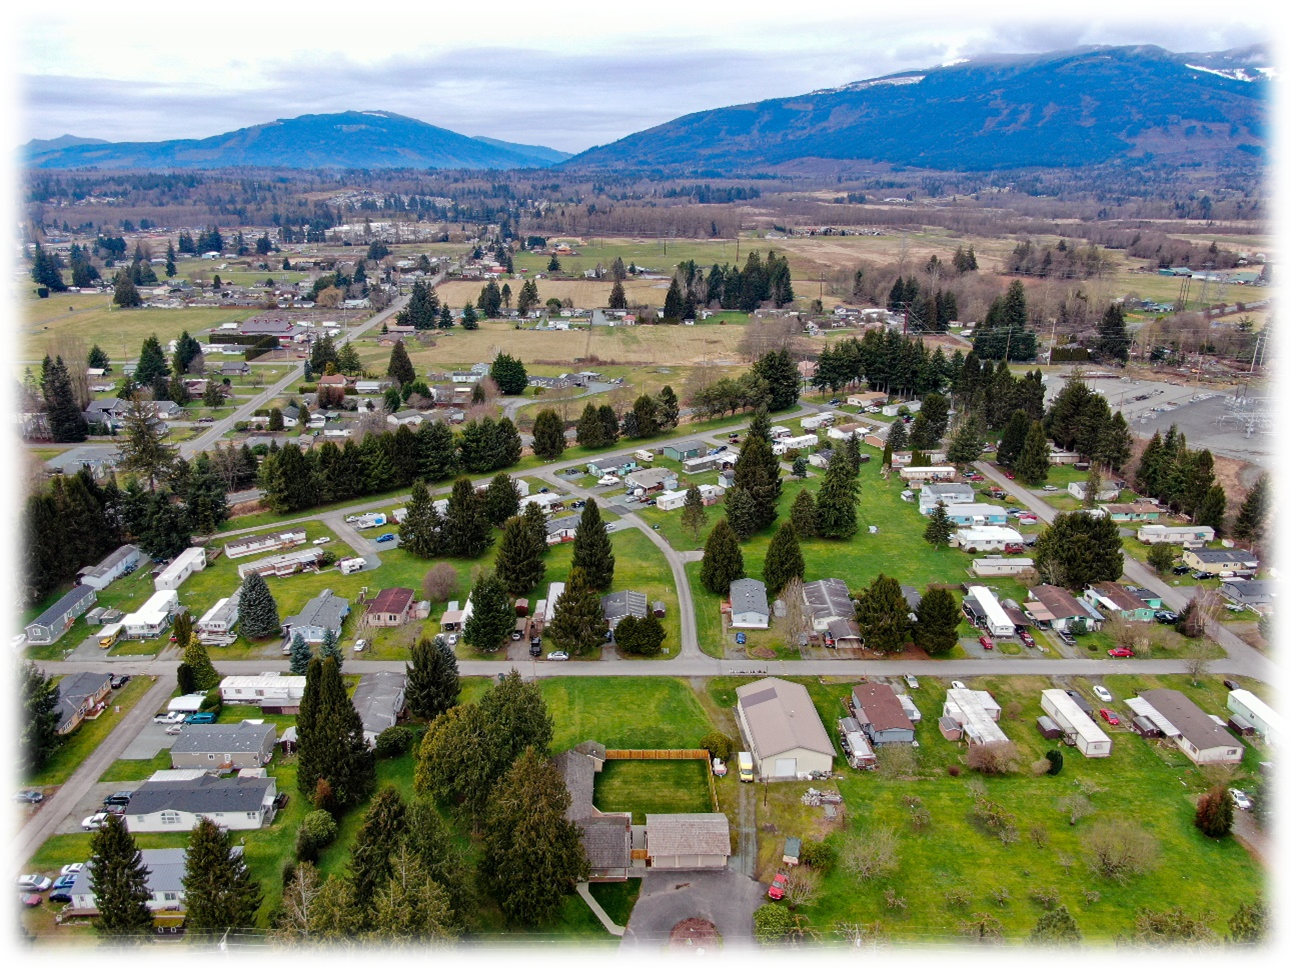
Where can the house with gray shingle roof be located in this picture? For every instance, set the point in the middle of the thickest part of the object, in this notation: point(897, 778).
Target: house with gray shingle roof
point(607, 837)
point(241, 803)
point(50, 625)
point(324, 611)
point(379, 700)
point(749, 604)
point(218, 746)
point(78, 694)
point(619, 605)
point(164, 879)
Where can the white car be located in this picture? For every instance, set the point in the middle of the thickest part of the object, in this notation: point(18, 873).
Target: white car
point(175, 717)
point(174, 729)
point(1102, 694)
point(69, 869)
point(609, 480)
point(360, 645)
point(956, 684)
point(1049, 487)
point(94, 822)
point(557, 656)
point(1240, 799)
point(322, 540)
point(452, 639)
point(912, 682)
point(35, 882)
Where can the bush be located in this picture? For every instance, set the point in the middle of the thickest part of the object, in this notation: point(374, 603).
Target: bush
point(993, 759)
point(1214, 816)
point(392, 742)
point(719, 745)
point(1118, 850)
point(316, 831)
point(214, 702)
point(184, 677)
point(440, 583)
point(953, 770)
point(818, 855)
point(288, 873)
point(241, 426)
point(324, 798)
point(1055, 761)
point(870, 855)
point(771, 924)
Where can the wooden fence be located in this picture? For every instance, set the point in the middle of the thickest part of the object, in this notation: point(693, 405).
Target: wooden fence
point(673, 755)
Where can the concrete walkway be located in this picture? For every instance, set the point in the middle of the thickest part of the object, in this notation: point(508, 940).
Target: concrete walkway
point(585, 892)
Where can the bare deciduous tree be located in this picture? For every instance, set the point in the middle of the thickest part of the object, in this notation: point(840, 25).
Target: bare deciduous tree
point(993, 759)
point(75, 355)
point(1118, 850)
point(802, 886)
point(797, 620)
point(1076, 806)
point(440, 583)
point(870, 854)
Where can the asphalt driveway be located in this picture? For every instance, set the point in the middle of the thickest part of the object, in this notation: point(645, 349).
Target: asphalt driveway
point(724, 897)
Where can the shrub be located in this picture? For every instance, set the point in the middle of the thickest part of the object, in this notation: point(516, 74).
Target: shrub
point(1055, 761)
point(771, 924)
point(392, 742)
point(818, 855)
point(288, 873)
point(957, 897)
point(324, 799)
point(440, 583)
point(871, 855)
point(316, 831)
point(719, 745)
point(1046, 897)
point(1214, 816)
point(1118, 850)
point(953, 770)
point(993, 759)
point(214, 702)
point(999, 895)
point(1039, 835)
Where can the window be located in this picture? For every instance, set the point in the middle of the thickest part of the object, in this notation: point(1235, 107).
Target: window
point(252, 815)
point(170, 896)
point(170, 817)
point(210, 756)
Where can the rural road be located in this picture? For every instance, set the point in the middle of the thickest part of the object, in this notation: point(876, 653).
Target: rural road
point(54, 810)
point(1249, 661)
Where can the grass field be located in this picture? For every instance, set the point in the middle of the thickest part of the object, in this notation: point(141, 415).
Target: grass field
point(584, 293)
point(625, 713)
point(1143, 781)
point(653, 786)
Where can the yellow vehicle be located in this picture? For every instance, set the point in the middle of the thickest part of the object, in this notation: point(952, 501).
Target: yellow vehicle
point(746, 767)
point(108, 636)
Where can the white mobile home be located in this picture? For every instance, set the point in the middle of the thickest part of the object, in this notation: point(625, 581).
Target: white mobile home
point(257, 543)
point(263, 690)
point(997, 566)
point(988, 537)
point(802, 442)
point(153, 617)
point(1268, 722)
point(994, 617)
point(932, 473)
point(816, 421)
point(1200, 738)
point(177, 572)
point(1190, 536)
point(977, 712)
point(111, 568)
point(1080, 731)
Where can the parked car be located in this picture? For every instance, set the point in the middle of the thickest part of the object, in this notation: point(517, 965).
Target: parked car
point(452, 638)
point(206, 420)
point(360, 645)
point(1026, 638)
point(94, 822)
point(609, 480)
point(740, 638)
point(71, 869)
point(557, 656)
point(1121, 653)
point(35, 882)
point(173, 717)
point(321, 541)
point(956, 684)
point(1240, 799)
point(30, 900)
point(986, 642)
point(1111, 717)
point(1166, 617)
point(1231, 684)
point(61, 896)
point(1067, 638)
point(388, 536)
point(119, 681)
point(1009, 475)
point(201, 719)
point(912, 682)
point(281, 800)
point(119, 799)
point(1049, 487)
point(174, 729)
point(542, 490)
point(535, 649)
point(779, 885)
point(1180, 569)
point(1102, 694)
point(29, 796)
point(64, 882)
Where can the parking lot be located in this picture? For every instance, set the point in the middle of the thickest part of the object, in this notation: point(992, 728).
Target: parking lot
point(91, 804)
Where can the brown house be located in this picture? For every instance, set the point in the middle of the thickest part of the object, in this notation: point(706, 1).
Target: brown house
point(391, 607)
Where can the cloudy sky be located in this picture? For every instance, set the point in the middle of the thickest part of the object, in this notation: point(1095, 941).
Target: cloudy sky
point(568, 74)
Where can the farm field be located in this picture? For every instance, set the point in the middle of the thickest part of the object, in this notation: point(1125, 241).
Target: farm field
point(584, 293)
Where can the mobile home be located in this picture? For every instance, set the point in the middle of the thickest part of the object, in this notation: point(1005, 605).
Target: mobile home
point(1078, 729)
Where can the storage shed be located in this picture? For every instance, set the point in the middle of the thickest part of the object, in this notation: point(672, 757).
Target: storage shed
point(1048, 728)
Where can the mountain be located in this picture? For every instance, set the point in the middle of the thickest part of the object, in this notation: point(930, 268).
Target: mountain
point(353, 139)
point(541, 156)
point(1078, 107)
point(36, 146)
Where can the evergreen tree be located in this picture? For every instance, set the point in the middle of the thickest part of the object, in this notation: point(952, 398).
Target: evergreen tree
point(384, 826)
point(593, 551)
point(124, 292)
point(331, 744)
point(783, 560)
point(152, 362)
point(38, 723)
point(1057, 928)
point(466, 529)
point(18, 941)
point(781, 373)
point(446, 317)
point(757, 472)
point(331, 648)
point(1212, 508)
point(1253, 518)
point(1033, 462)
point(537, 523)
point(420, 533)
point(520, 564)
point(1114, 444)
point(579, 623)
point(836, 502)
point(883, 615)
point(501, 500)
point(898, 437)
point(470, 321)
point(723, 561)
point(119, 880)
point(1013, 438)
point(803, 514)
point(46, 270)
point(1113, 340)
point(966, 443)
point(669, 408)
point(509, 374)
point(205, 677)
point(940, 529)
point(741, 512)
point(257, 610)
point(645, 416)
point(400, 367)
point(66, 422)
point(549, 434)
point(937, 618)
point(301, 655)
point(609, 424)
point(672, 302)
point(533, 857)
point(219, 892)
point(694, 516)
point(1161, 557)
point(1214, 816)
point(432, 686)
point(493, 617)
point(98, 358)
point(437, 451)
point(1082, 549)
point(799, 468)
point(618, 298)
point(590, 431)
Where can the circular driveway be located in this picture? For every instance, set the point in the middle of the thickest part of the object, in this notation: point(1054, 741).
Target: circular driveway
point(724, 897)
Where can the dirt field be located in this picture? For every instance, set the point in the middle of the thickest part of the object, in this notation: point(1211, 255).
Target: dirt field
point(585, 293)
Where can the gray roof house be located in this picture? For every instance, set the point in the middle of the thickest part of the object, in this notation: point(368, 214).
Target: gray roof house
point(1252, 593)
point(110, 568)
point(50, 625)
point(828, 599)
point(687, 841)
point(379, 699)
point(1200, 738)
point(618, 605)
point(77, 695)
point(236, 746)
point(165, 881)
point(241, 803)
point(607, 837)
point(749, 604)
point(324, 611)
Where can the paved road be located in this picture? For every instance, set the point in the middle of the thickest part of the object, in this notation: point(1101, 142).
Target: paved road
point(295, 370)
point(1241, 657)
point(55, 810)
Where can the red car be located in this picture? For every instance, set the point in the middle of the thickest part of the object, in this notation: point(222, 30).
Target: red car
point(986, 641)
point(1110, 716)
point(1121, 653)
point(1026, 638)
point(1009, 475)
point(778, 887)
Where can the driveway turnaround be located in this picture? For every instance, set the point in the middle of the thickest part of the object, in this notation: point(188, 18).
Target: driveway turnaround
point(726, 898)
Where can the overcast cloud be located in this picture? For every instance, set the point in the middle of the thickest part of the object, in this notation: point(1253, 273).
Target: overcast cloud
point(568, 75)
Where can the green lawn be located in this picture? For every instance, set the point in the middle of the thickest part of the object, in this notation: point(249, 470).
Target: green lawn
point(124, 770)
point(1144, 782)
point(625, 713)
point(86, 738)
point(653, 786)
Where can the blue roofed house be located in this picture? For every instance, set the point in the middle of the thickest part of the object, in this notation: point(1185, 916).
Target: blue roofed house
point(968, 515)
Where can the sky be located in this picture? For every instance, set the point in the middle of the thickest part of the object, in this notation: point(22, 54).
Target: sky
point(568, 75)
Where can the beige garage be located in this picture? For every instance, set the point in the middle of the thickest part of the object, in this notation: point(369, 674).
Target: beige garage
point(687, 841)
point(782, 729)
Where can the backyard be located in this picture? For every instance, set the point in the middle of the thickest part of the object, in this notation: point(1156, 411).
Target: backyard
point(653, 786)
